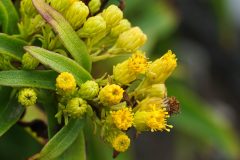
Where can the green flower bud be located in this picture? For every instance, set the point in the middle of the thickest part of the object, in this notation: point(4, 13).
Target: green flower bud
point(92, 27)
point(59, 5)
point(155, 90)
point(27, 97)
point(123, 26)
point(76, 108)
point(77, 14)
point(89, 90)
point(131, 40)
point(112, 15)
point(29, 62)
point(28, 8)
point(94, 6)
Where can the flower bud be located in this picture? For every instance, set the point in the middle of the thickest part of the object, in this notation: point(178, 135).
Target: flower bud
point(94, 6)
point(76, 14)
point(65, 83)
point(29, 62)
point(89, 90)
point(131, 40)
point(110, 95)
point(161, 68)
point(59, 5)
point(155, 90)
point(28, 8)
point(92, 27)
point(123, 26)
point(127, 71)
point(112, 15)
point(76, 107)
point(27, 97)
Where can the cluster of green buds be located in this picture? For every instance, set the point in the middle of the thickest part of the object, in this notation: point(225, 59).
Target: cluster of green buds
point(133, 96)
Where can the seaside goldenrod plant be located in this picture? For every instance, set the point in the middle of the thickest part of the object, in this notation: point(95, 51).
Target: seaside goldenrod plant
point(47, 64)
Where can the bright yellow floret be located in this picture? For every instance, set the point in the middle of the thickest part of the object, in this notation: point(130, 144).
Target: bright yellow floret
point(111, 94)
point(123, 118)
point(121, 143)
point(162, 68)
point(138, 62)
point(66, 82)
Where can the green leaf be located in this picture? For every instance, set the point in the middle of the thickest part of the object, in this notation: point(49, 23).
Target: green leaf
point(21, 78)
point(62, 140)
point(68, 36)
point(12, 46)
point(76, 151)
point(10, 110)
point(209, 126)
point(8, 17)
point(49, 102)
point(59, 63)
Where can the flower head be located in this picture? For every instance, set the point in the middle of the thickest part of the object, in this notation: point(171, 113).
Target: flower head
point(122, 118)
point(76, 107)
point(110, 95)
point(29, 62)
point(112, 15)
point(128, 70)
point(121, 143)
point(94, 6)
point(162, 68)
point(89, 90)
point(27, 97)
point(66, 82)
point(123, 26)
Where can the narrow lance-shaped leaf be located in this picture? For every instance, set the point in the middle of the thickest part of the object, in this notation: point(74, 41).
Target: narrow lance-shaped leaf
point(68, 36)
point(12, 46)
point(10, 110)
point(59, 63)
point(21, 78)
point(62, 140)
point(8, 17)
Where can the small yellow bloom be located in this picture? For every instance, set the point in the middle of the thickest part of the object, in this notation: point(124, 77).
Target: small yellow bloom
point(127, 71)
point(27, 97)
point(121, 143)
point(162, 68)
point(151, 115)
point(123, 118)
point(66, 82)
point(110, 95)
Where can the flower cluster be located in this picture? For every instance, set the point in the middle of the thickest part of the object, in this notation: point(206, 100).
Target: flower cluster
point(134, 96)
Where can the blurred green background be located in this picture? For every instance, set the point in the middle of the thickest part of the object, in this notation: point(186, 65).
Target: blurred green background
point(205, 35)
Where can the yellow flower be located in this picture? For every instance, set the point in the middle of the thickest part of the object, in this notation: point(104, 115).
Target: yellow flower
point(123, 118)
point(110, 95)
point(27, 97)
point(151, 115)
point(161, 68)
point(121, 143)
point(128, 70)
point(65, 82)
point(112, 15)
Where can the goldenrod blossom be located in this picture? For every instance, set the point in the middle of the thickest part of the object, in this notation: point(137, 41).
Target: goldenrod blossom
point(123, 26)
point(66, 82)
point(123, 118)
point(89, 90)
point(27, 97)
point(110, 95)
point(76, 107)
point(128, 70)
point(162, 68)
point(121, 143)
point(112, 15)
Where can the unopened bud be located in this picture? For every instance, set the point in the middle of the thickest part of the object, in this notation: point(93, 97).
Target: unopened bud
point(76, 108)
point(112, 15)
point(29, 62)
point(27, 97)
point(89, 90)
point(76, 14)
point(131, 40)
point(123, 26)
point(59, 5)
point(92, 27)
point(94, 6)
